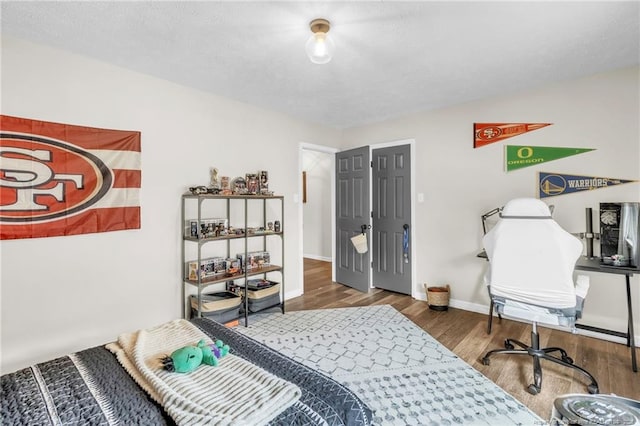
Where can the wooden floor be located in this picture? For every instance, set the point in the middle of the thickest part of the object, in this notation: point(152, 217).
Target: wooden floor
point(465, 334)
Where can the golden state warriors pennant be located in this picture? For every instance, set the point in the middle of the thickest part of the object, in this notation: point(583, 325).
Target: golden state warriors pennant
point(552, 184)
point(518, 157)
point(59, 179)
point(486, 133)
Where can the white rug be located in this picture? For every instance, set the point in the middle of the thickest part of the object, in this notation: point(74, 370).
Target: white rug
point(402, 373)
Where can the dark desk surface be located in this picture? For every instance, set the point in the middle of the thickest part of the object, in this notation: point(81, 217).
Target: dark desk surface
point(592, 264)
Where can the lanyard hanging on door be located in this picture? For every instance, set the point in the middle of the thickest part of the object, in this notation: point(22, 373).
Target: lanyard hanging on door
point(405, 243)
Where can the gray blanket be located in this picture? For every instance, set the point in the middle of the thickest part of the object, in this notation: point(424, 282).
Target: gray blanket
point(91, 388)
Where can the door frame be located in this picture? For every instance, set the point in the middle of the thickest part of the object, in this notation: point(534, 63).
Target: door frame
point(412, 234)
point(303, 146)
point(298, 199)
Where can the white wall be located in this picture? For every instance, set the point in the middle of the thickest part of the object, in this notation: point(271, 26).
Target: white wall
point(317, 210)
point(461, 183)
point(67, 293)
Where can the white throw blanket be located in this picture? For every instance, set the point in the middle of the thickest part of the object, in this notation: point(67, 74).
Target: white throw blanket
point(235, 392)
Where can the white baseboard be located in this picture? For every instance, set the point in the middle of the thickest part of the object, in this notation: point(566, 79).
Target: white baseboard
point(461, 304)
point(316, 257)
point(291, 294)
point(484, 309)
point(468, 306)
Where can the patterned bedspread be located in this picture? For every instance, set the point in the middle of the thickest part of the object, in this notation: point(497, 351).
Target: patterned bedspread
point(91, 388)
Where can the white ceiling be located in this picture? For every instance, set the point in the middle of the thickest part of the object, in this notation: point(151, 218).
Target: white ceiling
point(392, 58)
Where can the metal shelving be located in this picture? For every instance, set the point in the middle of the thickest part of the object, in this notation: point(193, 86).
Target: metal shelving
point(201, 283)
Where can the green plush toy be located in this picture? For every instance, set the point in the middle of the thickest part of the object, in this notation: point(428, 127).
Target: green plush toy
point(188, 358)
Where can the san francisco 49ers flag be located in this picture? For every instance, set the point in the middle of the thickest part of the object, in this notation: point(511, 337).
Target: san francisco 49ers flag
point(58, 179)
point(486, 133)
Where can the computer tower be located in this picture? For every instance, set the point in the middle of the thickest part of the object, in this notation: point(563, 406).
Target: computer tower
point(620, 234)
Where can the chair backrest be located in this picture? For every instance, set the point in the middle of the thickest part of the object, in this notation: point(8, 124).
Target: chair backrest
point(531, 257)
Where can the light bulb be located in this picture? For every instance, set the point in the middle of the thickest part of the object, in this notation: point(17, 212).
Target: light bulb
point(320, 46)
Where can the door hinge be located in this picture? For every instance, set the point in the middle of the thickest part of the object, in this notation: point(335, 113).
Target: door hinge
point(372, 164)
point(372, 215)
point(372, 264)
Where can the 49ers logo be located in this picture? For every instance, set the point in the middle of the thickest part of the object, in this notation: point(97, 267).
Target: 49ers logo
point(43, 179)
point(488, 133)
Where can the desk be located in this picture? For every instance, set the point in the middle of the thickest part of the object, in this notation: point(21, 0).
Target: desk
point(594, 265)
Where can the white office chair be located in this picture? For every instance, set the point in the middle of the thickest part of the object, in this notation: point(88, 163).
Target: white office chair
point(530, 277)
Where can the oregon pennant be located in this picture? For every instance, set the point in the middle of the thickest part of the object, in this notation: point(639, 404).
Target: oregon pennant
point(517, 157)
point(552, 184)
point(486, 133)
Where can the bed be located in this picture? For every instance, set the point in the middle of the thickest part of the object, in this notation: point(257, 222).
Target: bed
point(91, 387)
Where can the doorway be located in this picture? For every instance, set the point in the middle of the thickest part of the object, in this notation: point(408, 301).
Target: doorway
point(316, 211)
point(408, 247)
point(374, 187)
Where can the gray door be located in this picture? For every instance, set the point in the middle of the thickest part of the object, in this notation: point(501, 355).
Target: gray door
point(392, 234)
point(352, 212)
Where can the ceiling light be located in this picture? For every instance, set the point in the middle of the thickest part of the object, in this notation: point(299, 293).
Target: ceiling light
point(320, 46)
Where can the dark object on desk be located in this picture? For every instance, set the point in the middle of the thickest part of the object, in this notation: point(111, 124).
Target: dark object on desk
point(589, 235)
point(620, 234)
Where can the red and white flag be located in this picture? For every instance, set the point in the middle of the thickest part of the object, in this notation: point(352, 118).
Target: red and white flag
point(486, 133)
point(58, 179)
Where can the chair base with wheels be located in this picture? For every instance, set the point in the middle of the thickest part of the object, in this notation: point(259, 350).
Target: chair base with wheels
point(538, 354)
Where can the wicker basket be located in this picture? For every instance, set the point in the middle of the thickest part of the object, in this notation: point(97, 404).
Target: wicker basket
point(438, 297)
